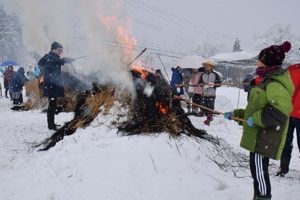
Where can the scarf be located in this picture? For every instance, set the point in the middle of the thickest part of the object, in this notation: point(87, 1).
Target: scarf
point(262, 71)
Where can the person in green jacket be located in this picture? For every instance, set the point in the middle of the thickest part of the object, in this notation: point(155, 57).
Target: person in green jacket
point(267, 115)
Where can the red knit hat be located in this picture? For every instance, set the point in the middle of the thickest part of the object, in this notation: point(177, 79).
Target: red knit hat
point(274, 55)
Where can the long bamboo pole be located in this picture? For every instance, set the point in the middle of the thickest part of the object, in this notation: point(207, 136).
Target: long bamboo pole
point(239, 119)
point(186, 85)
point(164, 67)
point(138, 56)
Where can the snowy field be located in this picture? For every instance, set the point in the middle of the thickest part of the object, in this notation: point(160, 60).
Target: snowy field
point(96, 163)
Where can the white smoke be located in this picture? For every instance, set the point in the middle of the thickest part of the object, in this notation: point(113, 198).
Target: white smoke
point(47, 21)
point(103, 58)
point(43, 22)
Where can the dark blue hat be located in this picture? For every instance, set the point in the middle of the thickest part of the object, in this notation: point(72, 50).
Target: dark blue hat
point(56, 45)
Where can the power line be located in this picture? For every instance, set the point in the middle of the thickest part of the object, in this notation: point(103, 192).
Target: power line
point(216, 36)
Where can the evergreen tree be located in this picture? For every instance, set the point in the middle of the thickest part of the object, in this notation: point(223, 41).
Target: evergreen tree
point(10, 37)
point(237, 46)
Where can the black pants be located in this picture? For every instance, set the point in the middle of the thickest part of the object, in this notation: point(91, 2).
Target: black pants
point(51, 111)
point(260, 173)
point(288, 147)
point(197, 99)
point(208, 102)
point(6, 90)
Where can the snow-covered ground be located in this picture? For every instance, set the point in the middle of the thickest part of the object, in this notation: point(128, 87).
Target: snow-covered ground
point(97, 163)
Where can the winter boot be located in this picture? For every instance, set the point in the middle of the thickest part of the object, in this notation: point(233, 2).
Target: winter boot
point(50, 120)
point(284, 166)
point(188, 106)
point(208, 120)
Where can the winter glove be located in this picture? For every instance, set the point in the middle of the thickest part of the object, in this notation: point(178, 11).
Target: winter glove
point(250, 122)
point(68, 60)
point(228, 115)
point(207, 86)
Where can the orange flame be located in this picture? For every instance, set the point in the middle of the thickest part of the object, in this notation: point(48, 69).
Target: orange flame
point(122, 34)
point(144, 73)
point(163, 108)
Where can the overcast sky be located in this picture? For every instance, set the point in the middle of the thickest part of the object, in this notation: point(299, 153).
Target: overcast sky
point(168, 24)
point(219, 20)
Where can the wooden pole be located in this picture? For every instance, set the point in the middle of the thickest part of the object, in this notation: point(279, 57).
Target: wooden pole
point(186, 85)
point(239, 119)
point(164, 67)
point(138, 56)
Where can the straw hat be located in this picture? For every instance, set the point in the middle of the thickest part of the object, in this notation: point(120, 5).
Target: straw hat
point(209, 63)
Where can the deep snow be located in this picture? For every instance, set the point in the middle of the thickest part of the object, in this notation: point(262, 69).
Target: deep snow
point(97, 163)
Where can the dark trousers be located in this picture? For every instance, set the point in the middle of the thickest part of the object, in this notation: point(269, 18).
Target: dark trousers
point(208, 102)
point(288, 147)
point(260, 173)
point(51, 111)
point(197, 99)
point(6, 90)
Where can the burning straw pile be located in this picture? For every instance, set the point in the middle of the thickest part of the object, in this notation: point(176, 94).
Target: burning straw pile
point(86, 110)
point(154, 111)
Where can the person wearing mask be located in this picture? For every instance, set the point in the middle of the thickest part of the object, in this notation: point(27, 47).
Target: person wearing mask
point(267, 115)
point(52, 87)
point(209, 91)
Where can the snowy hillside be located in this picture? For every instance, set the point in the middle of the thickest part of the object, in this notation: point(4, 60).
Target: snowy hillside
point(97, 163)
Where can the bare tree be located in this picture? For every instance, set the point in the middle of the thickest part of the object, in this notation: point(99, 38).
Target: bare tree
point(277, 34)
point(207, 48)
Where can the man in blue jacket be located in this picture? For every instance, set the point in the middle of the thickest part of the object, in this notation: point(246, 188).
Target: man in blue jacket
point(52, 88)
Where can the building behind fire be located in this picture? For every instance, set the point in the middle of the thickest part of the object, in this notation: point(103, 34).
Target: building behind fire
point(235, 66)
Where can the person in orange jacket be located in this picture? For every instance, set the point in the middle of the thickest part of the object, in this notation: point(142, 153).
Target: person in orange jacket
point(294, 122)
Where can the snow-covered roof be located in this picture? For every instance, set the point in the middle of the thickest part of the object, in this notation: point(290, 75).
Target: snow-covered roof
point(233, 56)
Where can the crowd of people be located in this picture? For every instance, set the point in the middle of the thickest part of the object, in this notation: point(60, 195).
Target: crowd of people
point(13, 82)
point(271, 116)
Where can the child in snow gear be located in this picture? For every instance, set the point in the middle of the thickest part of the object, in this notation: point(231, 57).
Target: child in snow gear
point(268, 110)
point(208, 91)
point(294, 122)
point(52, 86)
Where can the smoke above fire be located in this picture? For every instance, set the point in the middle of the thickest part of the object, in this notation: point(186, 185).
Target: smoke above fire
point(89, 28)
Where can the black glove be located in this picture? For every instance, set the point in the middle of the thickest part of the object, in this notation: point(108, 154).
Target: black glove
point(68, 60)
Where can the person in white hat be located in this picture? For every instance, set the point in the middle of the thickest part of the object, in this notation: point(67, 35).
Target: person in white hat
point(209, 91)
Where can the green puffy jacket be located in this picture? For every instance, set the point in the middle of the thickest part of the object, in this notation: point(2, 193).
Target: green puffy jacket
point(269, 106)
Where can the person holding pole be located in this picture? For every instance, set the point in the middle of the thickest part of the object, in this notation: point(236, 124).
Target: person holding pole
point(267, 115)
point(294, 122)
point(209, 91)
point(52, 87)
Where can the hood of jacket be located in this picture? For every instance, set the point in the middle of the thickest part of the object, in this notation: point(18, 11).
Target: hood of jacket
point(21, 71)
point(284, 77)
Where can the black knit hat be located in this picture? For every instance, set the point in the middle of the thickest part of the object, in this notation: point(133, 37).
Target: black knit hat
point(56, 45)
point(274, 55)
point(158, 71)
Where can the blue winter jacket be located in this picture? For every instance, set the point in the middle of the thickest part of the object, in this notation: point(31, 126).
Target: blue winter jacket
point(177, 78)
point(52, 86)
point(18, 79)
